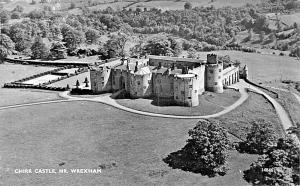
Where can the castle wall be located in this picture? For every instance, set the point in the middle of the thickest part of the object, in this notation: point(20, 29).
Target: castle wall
point(169, 63)
point(185, 92)
point(231, 76)
point(119, 79)
point(101, 80)
point(199, 79)
point(214, 77)
point(140, 85)
point(163, 85)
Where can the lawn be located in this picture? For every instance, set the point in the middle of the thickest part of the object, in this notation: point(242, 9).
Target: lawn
point(254, 108)
point(209, 103)
point(12, 72)
point(263, 67)
point(89, 135)
point(72, 81)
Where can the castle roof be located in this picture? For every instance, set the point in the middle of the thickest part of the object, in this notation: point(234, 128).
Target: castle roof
point(143, 71)
point(176, 59)
point(228, 69)
point(185, 76)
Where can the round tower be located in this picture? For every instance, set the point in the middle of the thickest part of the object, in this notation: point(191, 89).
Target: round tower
point(213, 74)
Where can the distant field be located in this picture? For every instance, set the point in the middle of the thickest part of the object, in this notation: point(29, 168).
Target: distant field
point(102, 4)
point(264, 67)
point(290, 19)
point(175, 5)
point(13, 72)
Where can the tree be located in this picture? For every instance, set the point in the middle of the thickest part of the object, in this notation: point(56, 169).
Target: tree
point(20, 36)
point(18, 8)
point(272, 37)
point(86, 81)
point(6, 46)
point(73, 38)
point(92, 35)
point(187, 6)
point(262, 36)
point(15, 15)
point(208, 147)
point(162, 45)
point(260, 138)
point(73, 5)
point(4, 16)
point(115, 46)
point(192, 53)
point(279, 166)
point(77, 84)
point(250, 34)
point(39, 49)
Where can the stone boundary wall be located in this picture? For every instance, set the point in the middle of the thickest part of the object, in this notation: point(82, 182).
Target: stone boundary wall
point(19, 84)
point(254, 84)
point(259, 86)
point(52, 63)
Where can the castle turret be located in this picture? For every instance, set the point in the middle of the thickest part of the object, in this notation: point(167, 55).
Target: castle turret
point(213, 74)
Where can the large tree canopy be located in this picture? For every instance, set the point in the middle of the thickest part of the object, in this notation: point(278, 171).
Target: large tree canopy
point(278, 166)
point(6, 46)
point(39, 49)
point(166, 46)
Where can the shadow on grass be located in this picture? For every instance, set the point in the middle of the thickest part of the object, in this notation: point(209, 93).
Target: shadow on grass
point(182, 160)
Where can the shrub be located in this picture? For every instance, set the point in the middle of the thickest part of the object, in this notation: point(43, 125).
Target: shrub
point(260, 139)
point(279, 166)
point(206, 151)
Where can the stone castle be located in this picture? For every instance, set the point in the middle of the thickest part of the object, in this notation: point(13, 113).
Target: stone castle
point(181, 80)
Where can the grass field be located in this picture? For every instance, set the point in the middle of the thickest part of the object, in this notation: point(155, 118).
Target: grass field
point(89, 135)
point(72, 81)
point(209, 103)
point(13, 72)
point(256, 107)
point(179, 5)
point(102, 4)
point(264, 67)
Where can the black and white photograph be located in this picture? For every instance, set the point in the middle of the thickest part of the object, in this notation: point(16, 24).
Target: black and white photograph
point(149, 92)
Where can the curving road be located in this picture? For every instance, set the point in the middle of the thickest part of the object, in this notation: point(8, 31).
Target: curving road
point(106, 99)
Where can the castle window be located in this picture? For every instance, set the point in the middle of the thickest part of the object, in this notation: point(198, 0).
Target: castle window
point(195, 91)
point(149, 81)
point(190, 86)
point(138, 83)
point(220, 70)
point(216, 83)
point(102, 83)
point(135, 93)
point(102, 78)
point(189, 97)
point(176, 97)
